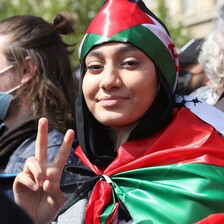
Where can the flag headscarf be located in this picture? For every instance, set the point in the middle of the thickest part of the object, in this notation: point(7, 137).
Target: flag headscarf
point(132, 22)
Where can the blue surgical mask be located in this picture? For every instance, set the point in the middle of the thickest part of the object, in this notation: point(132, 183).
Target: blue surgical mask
point(5, 100)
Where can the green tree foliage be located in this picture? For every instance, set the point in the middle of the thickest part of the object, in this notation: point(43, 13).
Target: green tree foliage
point(179, 34)
point(82, 10)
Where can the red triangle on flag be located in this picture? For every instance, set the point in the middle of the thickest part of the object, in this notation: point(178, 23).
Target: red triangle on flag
point(118, 15)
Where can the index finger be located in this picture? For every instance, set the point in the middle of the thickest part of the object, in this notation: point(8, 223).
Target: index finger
point(64, 151)
point(42, 140)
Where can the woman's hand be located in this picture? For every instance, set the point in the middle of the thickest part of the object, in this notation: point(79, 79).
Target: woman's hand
point(37, 188)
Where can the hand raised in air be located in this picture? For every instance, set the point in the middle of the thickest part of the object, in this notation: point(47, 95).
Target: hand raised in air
point(37, 188)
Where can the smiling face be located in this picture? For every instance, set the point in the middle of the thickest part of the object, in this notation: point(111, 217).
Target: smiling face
point(119, 84)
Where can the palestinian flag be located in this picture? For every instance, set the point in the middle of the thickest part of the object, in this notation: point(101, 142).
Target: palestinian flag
point(175, 176)
point(132, 22)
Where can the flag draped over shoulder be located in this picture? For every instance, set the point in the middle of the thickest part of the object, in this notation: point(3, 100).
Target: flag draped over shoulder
point(175, 176)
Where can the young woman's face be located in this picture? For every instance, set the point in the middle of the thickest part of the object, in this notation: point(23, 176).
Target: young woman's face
point(119, 84)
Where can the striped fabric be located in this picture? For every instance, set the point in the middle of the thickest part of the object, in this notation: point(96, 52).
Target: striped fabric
point(175, 177)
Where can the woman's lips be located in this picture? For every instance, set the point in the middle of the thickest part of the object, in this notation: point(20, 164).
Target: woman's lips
point(111, 101)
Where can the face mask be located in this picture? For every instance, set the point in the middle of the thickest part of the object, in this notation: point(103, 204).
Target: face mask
point(5, 100)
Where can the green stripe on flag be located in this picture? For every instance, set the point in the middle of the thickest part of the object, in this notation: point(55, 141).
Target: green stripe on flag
point(171, 194)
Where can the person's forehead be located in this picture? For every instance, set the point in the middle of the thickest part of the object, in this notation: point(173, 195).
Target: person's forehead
point(113, 43)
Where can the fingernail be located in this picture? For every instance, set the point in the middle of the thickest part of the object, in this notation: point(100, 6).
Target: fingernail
point(35, 187)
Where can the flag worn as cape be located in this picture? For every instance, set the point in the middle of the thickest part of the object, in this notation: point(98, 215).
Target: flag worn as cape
point(175, 176)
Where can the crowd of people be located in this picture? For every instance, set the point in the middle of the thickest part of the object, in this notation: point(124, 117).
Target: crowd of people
point(127, 149)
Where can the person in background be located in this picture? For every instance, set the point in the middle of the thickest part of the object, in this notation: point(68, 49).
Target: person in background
point(142, 158)
point(211, 59)
point(191, 74)
point(35, 80)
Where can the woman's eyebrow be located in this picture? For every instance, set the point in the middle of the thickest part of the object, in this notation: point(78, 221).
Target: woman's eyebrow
point(95, 53)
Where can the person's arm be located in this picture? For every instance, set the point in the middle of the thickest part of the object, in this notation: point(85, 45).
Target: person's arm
point(37, 188)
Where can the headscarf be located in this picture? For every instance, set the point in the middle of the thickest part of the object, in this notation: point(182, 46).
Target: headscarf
point(131, 22)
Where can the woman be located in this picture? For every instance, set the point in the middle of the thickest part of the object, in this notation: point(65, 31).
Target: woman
point(135, 162)
point(36, 80)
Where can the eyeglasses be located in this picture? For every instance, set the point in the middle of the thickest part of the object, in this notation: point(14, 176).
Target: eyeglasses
point(5, 69)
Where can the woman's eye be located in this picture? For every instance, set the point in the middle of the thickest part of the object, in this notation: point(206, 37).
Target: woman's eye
point(130, 63)
point(94, 68)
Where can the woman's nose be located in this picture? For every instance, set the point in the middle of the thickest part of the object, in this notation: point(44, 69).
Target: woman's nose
point(110, 78)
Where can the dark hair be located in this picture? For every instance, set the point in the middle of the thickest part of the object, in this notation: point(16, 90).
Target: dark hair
point(51, 92)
